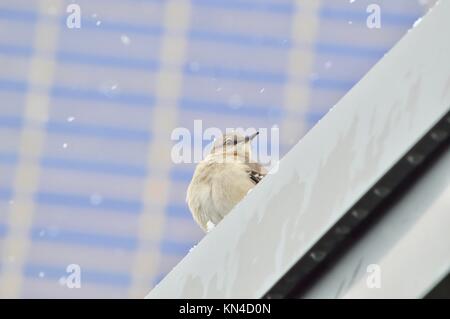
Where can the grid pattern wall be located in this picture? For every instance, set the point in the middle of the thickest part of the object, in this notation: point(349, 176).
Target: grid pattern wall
point(86, 116)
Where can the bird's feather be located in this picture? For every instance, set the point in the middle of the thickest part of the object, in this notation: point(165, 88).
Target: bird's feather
point(256, 172)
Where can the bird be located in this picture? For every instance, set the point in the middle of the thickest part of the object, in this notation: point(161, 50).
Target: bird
point(222, 179)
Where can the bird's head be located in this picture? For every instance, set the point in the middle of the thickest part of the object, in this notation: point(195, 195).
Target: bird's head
point(233, 144)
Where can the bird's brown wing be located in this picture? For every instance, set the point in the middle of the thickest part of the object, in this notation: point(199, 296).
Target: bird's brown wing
point(256, 172)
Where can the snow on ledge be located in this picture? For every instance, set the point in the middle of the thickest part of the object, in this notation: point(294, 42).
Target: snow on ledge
point(325, 173)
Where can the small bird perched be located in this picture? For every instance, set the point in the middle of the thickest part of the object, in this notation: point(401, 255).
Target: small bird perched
point(222, 179)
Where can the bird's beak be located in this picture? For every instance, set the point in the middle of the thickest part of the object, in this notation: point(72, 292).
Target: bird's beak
point(251, 137)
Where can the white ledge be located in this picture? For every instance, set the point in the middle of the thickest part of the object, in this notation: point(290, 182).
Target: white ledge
point(338, 161)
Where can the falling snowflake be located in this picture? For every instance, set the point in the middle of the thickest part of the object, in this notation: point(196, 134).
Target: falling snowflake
point(109, 88)
point(125, 39)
